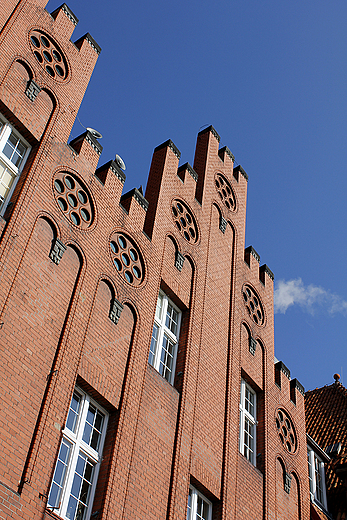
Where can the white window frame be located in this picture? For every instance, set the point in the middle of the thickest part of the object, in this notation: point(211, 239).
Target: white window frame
point(251, 420)
point(162, 332)
point(15, 171)
point(192, 507)
point(313, 459)
point(78, 446)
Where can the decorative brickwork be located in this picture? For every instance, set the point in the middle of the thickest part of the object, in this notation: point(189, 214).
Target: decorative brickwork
point(185, 221)
point(73, 199)
point(146, 321)
point(32, 90)
point(57, 251)
point(48, 54)
point(127, 258)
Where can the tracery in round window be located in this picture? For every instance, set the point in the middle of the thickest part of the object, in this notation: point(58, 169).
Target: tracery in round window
point(48, 54)
point(253, 304)
point(286, 431)
point(73, 199)
point(127, 259)
point(225, 191)
point(185, 221)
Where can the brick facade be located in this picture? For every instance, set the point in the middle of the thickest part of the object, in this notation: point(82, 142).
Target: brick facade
point(68, 317)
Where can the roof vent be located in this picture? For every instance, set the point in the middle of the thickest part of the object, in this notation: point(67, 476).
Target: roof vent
point(94, 133)
point(120, 162)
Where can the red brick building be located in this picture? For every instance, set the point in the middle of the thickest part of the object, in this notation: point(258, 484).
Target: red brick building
point(138, 375)
point(326, 419)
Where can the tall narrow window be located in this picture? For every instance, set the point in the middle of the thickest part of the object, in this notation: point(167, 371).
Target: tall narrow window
point(14, 151)
point(248, 405)
point(76, 471)
point(199, 508)
point(163, 349)
point(316, 477)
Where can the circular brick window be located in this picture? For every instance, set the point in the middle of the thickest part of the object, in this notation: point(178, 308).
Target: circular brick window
point(286, 431)
point(127, 259)
point(225, 191)
point(253, 305)
point(48, 55)
point(185, 221)
point(73, 199)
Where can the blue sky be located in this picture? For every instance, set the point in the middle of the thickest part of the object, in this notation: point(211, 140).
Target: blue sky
point(271, 78)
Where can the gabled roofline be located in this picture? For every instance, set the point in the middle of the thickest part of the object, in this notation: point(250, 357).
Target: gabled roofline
point(312, 443)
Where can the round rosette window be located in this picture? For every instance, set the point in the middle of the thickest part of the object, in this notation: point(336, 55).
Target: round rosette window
point(225, 191)
point(185, 221)
point(286, 431)
point(48, 55)
point(253, 304)
point(127, 258)
point(73, 199)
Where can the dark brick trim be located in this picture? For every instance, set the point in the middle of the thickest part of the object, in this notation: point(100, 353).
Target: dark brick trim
point(251, 251)
point(32, 90)
point(223, 224)
point(190, 170)
point(281, 367)
point(265, 269)
point(212, 130)
point(295, 384)
point(225, 151)
point(66, 10)
point(179, 261)
point(57, 250)
point(91, 42)
point(137, 196)
point(115, 310)
point(171, 145)
point(239, 169)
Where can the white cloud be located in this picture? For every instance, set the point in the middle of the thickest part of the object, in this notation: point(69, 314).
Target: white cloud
point(310, 298)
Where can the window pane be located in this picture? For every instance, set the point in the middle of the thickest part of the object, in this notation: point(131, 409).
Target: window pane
point(93, 427)
point(14, 150)
point(319, 488)
point(153, 347)
point(59, 473)
point(202, 509)
point(189, 508)
point(73, 412)
point(249, 401)
point(6, 179)
point(171, 319)
point(81, 487)
point(159, 307)
point(166, 360)
point(249, 440)
point(310, 471)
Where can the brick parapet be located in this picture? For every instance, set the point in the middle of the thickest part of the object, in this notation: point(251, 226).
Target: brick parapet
point(55, 307)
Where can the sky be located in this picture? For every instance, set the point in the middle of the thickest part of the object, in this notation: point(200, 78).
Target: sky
point(271, 77)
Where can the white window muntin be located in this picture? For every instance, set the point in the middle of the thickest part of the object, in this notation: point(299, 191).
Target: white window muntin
point(248, 422)
point(316, 477)
point(199, 508)
point(11, 164)
point(165, 335)
point(72, 452)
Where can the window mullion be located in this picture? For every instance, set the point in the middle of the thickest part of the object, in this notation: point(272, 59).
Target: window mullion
point(313, 473)
point(6, 134)
point(194, 504)
point(159, 346)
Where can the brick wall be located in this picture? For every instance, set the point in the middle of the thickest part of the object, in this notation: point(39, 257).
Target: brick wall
point(59, 283)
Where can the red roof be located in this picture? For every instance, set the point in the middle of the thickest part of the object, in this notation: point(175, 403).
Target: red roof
point(326, 423)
